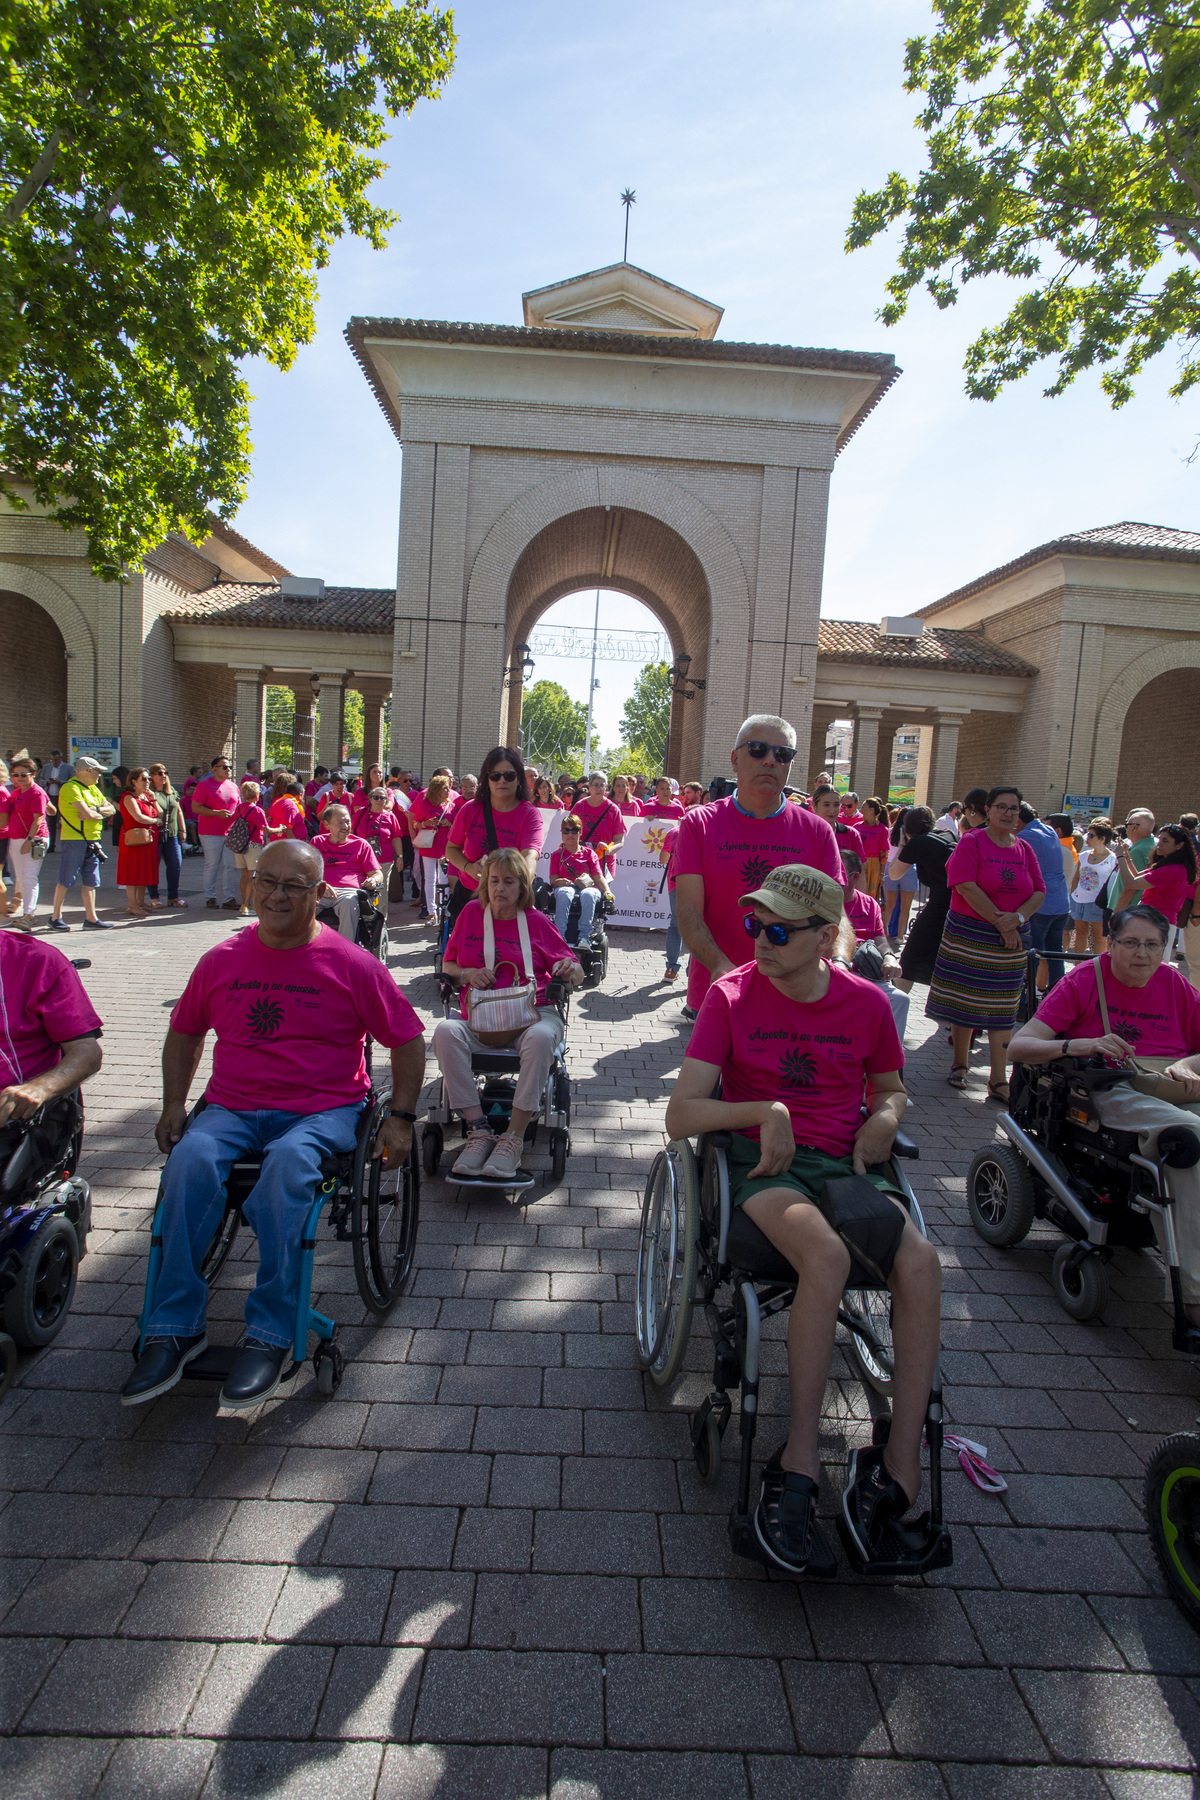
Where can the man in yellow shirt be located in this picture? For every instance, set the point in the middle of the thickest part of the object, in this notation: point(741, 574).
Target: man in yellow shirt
point(82, 811)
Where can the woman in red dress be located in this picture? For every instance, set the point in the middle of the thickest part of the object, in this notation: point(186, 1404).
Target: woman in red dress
point(137, 852)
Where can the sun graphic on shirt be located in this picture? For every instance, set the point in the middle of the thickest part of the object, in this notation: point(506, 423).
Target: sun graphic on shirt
point(264, 1018)
point(655, 838)
point(755, 870)
point(797, 1069)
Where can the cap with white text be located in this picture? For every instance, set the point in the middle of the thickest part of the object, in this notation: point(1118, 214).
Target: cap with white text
point(797, 892)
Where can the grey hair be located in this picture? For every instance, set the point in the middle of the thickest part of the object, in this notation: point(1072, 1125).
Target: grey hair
point(337, 807)
point(765, 722)
point(1139, 812)
point(309, 851)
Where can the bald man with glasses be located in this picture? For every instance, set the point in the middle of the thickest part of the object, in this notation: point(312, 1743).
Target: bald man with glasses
point(731, 845)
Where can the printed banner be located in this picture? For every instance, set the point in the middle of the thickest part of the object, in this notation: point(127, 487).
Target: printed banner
point(638, 875)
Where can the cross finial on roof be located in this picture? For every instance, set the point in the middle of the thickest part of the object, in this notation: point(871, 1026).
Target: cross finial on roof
point(628, 199)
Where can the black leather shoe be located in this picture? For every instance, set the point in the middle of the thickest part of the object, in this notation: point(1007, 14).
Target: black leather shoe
point(160, 1366)
point(255, 1374)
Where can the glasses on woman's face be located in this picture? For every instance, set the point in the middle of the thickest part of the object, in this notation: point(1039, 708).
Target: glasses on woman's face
point(570, 831)
point(777, 934)
point(1006, 806)
point(502, 775)
point(1140, 946)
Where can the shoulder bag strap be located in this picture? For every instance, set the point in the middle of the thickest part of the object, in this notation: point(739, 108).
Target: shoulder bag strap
point(1101, 996)
point(526, 946)
point(489, 938)
point(593, 827)
point(489, 824)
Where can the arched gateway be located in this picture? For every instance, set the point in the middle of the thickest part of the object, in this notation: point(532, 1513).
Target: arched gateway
point(612, 441)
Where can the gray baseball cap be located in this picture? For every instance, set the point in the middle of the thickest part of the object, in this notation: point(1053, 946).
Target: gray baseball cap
point(89, 762)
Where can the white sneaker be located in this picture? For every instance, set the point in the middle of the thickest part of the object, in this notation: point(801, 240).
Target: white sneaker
point(505, 1161)
point(479, 1146)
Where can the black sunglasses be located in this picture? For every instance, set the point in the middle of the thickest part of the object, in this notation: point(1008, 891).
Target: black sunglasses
point(759, 750)
point(502, 775)
point(778, 934)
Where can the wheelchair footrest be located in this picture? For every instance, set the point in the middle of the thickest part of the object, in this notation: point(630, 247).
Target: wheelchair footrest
point(510, 1184)
point(215, 1363)
point(743, 1539)
point(931, 1549)
point(1186, 1338)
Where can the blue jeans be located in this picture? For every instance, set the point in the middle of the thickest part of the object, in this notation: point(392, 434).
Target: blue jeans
point(194, 1202)
point(219, 864)
point(171, 851)
point(1046, 934)
point(589, 900)
point(674, 938)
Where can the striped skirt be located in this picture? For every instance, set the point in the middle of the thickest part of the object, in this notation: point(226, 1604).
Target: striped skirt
point(976, 980)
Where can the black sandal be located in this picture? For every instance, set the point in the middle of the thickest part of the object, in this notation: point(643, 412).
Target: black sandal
point(957, 1077)
point(993, 1092)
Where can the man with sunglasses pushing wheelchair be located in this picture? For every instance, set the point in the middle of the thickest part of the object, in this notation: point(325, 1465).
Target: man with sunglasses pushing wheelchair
point(291, 1004)
point(726, 847)
point(798, 1044)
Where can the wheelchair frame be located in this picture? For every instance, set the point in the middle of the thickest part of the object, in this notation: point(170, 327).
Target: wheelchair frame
point(347, 1180)
point(45, 1216)
point(372, 920)
point(684, 1258)
point(593, 955)
point(1010, 1185)
point(497, 1101)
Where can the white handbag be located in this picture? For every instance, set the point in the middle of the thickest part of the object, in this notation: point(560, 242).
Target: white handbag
point(498, 1014)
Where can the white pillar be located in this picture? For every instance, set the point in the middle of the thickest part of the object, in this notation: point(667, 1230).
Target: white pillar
point(250, 719)
point(943, 760)
point(303, 744)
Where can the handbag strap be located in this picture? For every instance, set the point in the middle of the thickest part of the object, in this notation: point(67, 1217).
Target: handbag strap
point(489, 824)
point(489, 943)
point(1101, 996)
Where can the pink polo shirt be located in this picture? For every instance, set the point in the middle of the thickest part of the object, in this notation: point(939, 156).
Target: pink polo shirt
point(222, 795)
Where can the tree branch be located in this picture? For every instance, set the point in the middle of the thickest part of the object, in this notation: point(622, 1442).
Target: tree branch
point(35, 181)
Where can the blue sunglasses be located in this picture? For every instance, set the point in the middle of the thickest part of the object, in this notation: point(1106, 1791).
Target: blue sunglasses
point(777, 934)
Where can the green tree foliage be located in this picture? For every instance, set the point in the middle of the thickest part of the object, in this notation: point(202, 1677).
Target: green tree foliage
point(1063, 142)
point(172, 175)
point(554, 727)
point(646, 719)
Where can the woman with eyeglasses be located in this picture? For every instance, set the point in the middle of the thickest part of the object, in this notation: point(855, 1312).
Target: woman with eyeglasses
point(137, 853)
point(1152, 1013)
point(996, 884)
point(1170, 876)
point(502, 818)
point(1088, 882)
point(28, 835)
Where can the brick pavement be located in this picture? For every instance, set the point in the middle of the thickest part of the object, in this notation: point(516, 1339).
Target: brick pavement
point(486, 1566)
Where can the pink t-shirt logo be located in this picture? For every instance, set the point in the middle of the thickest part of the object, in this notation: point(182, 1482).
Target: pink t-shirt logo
point(797, 1069)
point(264, 1018)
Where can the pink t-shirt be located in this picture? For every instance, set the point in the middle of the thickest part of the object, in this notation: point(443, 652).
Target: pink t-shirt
point(425, 815)
point(255, 818)
point(347, 864)
point(874, 840)
point(657, 809)
point(291, 1024)
point(630, 809)
point(733, 853)
point(849, 841)
point(854, 818)
point(1167, 887)
point(45, 1006)
point(27, 813)
point(606, 818)
point(288, 812)
point(812, 1057)
point(381, 830)
point(1160, 1019)
point(465, 946)
point(566, 865)
point(669, 843)
point(865, 916)
point(521, 828)
point(1008, 875)
point(224, 795)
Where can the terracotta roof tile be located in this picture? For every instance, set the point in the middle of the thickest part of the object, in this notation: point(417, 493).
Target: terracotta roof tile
point(261, 603)
point(961, 652)
point(1129, 540)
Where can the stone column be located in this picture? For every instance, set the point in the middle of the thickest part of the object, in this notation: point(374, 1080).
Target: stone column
point(943, 759)
point(884, 752)
point(866, 749)
point(303, 731)
point(375, 698)
point(332, 723)
point(250, 722)
point(822, 719)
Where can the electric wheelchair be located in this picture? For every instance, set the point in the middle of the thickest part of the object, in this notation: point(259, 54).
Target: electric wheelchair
point(694, 1245)
point(496, 1074)
point(1062, 1164)
point(374, 1208)
point(45, 1214)
point(593, 955)
point(371, 932)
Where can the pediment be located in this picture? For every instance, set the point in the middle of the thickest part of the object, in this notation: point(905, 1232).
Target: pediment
point(622, 298)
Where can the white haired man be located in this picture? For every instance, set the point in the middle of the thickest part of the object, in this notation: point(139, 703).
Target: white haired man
point(730, 846)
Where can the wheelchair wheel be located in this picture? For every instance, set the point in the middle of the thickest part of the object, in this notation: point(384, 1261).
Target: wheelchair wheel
point(329, 1365)
point(217, 1254)
point(37, 1304)
point(875, 1361)
point(668, 1252)
point(1080, 1289)
point(432, 1146)
point(1000, 1196)
point(8, 1363)
point(560, 1149)
point(562, 1094)
point(1172, 1502)
point(385, 1206)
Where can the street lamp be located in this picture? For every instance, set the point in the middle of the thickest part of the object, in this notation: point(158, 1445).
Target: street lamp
point(519, 672)
point(681, 682)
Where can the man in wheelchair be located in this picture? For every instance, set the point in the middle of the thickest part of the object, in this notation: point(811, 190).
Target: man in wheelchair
point(1136, 1013)
point(291, 1005)
point(350, 866)
point(797, 1042)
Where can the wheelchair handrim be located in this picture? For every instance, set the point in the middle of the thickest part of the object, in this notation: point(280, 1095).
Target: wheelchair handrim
point(657, 1251)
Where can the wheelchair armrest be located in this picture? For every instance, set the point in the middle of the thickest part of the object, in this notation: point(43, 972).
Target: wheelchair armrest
point(904, 1146)
point(719, 1140)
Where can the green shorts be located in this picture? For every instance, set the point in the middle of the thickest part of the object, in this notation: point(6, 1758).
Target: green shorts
point(807, 1172)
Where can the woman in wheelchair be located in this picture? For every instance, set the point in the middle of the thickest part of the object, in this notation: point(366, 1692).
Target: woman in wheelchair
point(575, 871)
point(1130, 1008)
point(797, 1042)
point(505, 930)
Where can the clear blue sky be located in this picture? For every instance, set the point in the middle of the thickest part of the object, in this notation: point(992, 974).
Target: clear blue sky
point(746, 130)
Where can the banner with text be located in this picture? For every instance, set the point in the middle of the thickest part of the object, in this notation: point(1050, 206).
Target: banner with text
point(637, 883)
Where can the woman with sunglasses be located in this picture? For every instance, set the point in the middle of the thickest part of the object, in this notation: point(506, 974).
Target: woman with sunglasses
point(1170, 877)
point(996, 884)
point(28, 836)
point(502, 818)
point(728, 846)
point(571, 865)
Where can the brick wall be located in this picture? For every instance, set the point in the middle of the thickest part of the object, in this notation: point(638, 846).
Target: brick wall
point(986, 754)
point(1160, 748)
point(33, 679)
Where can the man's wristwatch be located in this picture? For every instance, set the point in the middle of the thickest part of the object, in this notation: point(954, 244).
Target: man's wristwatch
point(395, 1113)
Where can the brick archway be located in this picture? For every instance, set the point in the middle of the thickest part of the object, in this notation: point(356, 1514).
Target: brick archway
point(1164, 659)
point(33, 685)
point(1157, 768)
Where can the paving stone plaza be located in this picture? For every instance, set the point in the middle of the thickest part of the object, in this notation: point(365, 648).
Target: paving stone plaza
point(486, 1566)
